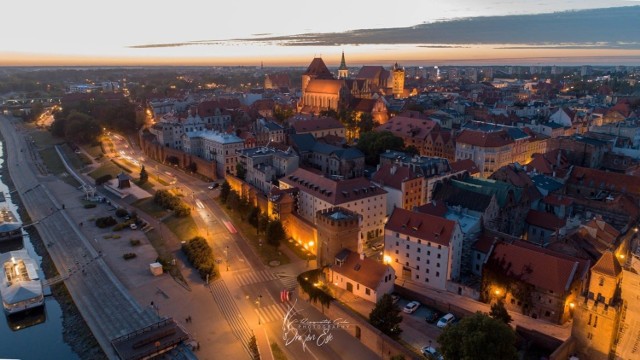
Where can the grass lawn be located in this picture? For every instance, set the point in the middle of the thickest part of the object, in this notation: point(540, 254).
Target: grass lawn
point(45, 139)
point(74, 160)
point(266, 252)
point(185, 228)
point(148, 206)
point(123, 165)
point(107, 167)
point(278, 354)
point(94, 151)
point(52, 160)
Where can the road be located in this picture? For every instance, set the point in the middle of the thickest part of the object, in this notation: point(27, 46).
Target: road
point(244, 277)
point(108, 309)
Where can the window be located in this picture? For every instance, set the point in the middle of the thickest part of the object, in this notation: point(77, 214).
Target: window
point(417, 277)
point(437, 274)
point(397, 252)
point(437, 265)
point(418, 258)
point(419, 249)
point(367, 291)
point(397, 243)
point(438, 256)
point(408, 247)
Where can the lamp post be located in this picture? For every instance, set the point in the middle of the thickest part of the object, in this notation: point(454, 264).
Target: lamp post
point(226, 255)
point(258, 303)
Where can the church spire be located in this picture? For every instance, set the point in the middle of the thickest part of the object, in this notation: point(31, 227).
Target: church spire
point(343, 71)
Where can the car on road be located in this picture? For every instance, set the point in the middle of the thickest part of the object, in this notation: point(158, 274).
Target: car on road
point(445, 320)
point(133, 226)
point(431, 353)
point(213, 186)
point(411, 307)
point(432, 316)
point(376, 247)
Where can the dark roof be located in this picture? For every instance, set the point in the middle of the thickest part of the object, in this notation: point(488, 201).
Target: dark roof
point(318, 69)
point(545, 220)
point(302, 142)
point(423, 226)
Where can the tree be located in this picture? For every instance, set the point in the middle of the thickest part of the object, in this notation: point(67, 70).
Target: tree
point(144, 176)
point(275, 233)
point(480, 337)
point(253, 348)
point(372, 144)
point(241, 172)
point(225, 189)
point(499, 312)
point(385, 316)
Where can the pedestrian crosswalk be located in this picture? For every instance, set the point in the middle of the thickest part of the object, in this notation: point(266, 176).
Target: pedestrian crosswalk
point(289, 282)
point(272, 313)
point(253, 277)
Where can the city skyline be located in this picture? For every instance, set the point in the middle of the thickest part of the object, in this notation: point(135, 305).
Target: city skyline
point(459, 32)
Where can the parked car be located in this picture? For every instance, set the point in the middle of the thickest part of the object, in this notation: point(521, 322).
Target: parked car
point(213, 186)
point(431, 353)
point(133, 226)
point(411, 307)
point(432, 316)
point(376, 247)
point(445, 320)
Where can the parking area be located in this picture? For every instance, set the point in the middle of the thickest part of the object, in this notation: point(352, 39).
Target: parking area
point(417, 331)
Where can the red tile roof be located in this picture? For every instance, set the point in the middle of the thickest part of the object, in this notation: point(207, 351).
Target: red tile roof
point(318, 69)
point(393, 175)
point(367, 272)
point(332, 191)
point(464, 165)
point(406, 127)
point(607, 265)
point(600, 179)
point(315, 124)
point(484, 244)
point(423, 226)
point(558, 200)
point(484, 139)
point(602, 230)
point(545, 220)
point(435, 208)
point(540, 267)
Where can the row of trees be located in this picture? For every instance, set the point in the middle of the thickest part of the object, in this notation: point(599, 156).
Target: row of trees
point(200, 256)
point(273, 229)
point(169, 201)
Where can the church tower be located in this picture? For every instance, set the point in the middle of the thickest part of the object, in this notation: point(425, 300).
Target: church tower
point(398, 81)
point(343, 71)
point(597, 314)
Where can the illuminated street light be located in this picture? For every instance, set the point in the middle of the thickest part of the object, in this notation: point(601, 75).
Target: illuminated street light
point(387, 259)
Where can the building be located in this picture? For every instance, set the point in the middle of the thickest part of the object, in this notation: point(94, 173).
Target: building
point(544, 227)
point(489, 151)
point(214, 146)
point(413, 130)
point(267, 131)
point(397, 88)
point(534, 281)
point(317, 126)
point(343, 70)
point(320, 90)
point(423, 248)
point(405, 188)
point(264, 165)
point(331, 160)
point(597, 313)
point(366, 278)
point(338, 230)
point(359, 195)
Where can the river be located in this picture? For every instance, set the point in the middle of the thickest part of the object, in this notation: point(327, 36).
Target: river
point(37, 335)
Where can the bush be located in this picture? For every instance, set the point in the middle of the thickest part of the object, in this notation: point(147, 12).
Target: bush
point(120, 226)
point(103, 179)
point(128, 256)
point(134, 242)
point(120, 212)
point(168, 201)
point(104, 222)
point(200, 256)
point(89, 206)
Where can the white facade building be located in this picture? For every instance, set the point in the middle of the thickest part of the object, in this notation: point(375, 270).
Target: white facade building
point(423, 248)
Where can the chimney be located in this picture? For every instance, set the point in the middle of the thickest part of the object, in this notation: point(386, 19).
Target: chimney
point(362, 256)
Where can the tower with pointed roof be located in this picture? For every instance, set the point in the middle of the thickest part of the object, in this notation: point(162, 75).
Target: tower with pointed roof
point(597, 314)
point(398, 81)
point(343, 71)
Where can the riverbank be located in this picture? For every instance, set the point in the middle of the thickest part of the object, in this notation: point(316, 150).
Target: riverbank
point(76, 332)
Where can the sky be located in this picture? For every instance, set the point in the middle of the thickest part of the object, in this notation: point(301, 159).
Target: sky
point(286, 32)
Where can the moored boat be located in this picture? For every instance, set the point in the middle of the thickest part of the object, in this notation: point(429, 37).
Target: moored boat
point(20, 284)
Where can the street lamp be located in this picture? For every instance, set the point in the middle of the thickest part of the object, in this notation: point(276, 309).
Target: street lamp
point(226, 255)
point(258, 303)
